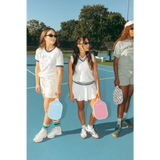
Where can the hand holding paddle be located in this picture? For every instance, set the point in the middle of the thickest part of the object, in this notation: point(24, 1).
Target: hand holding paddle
point(55, 109)
point(100, 109)
point(117, 95)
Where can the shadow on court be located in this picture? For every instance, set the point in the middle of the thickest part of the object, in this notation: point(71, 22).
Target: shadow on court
point(107, 128)
point(103, 129)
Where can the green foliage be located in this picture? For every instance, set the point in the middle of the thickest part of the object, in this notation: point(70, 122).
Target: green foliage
point(95, 22)
point(67, 31)
point(35, 29)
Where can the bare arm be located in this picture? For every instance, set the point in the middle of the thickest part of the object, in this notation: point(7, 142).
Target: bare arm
point(37, 78)
point(96, 77)
point(116, 82)
point(70, 78)
point(59, 81)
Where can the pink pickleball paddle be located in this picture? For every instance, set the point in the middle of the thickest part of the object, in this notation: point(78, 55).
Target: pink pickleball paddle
point(100, 109)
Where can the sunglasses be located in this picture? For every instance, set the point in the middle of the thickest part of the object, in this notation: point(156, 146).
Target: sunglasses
point(86, 43)
point(51, 35)
point(132, 28)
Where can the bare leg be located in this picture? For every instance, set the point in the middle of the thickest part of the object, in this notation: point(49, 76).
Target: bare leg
point(92, 116)
point(47, 101)
point(121, 106)
point(129, 95)
point(81, 111)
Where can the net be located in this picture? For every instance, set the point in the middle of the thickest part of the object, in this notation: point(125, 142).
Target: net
point(66, 55)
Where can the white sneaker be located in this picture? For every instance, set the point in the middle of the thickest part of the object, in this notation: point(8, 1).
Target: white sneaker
point(55, 131)
point(40, 136)
point(83, 133)
point(92, 132)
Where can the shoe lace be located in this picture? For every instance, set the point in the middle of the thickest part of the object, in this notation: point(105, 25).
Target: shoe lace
point(117, 127)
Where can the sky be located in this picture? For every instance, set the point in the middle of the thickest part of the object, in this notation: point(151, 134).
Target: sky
point(53, 12)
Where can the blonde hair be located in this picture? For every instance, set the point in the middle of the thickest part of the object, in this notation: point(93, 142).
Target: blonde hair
point(42, 40)
point(123, 36)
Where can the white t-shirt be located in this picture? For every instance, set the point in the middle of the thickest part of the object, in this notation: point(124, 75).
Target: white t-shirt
point(83, 73)
point(48, 61)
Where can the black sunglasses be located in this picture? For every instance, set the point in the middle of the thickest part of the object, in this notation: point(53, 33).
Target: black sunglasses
point(51, 35)
point(132, 28)
point(86, 43)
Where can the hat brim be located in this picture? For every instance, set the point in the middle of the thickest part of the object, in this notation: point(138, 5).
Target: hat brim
point(129, 23)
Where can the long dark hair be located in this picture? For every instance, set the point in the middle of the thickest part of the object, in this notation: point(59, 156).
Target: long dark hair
point(43, 42)
point(77, 52)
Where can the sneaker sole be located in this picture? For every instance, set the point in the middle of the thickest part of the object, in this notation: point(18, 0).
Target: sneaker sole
point(127, 125)
point(83, 137)
point(54, 136)
point(92, 135)
point(116, 135)
point(39, 141)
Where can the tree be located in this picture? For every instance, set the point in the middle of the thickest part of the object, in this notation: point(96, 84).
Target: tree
point(27, 37)
point(93, 22)
point(115, 26)
point(35, 28)
point(67, 30)
point(99, 24)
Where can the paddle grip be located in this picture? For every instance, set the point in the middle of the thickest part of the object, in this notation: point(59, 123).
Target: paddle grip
point(98, 97)
point(57, 97)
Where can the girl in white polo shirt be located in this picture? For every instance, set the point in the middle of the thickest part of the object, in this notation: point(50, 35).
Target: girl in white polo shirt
point(82, 67)
point(49, 71)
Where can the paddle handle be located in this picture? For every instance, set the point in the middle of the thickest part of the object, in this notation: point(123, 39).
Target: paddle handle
point(117, 86)
point(98, 97)
point(57, 97)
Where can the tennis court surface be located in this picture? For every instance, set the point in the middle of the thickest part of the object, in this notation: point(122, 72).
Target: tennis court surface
point(69, 145)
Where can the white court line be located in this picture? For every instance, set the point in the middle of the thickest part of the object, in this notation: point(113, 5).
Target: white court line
point(30, 72)
point(31, 87)
point(101, 79)
point(105, 70)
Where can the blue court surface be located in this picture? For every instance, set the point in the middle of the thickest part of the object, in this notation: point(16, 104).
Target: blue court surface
point(69, 145)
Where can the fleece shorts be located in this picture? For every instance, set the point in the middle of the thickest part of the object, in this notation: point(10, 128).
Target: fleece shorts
point(126, 79)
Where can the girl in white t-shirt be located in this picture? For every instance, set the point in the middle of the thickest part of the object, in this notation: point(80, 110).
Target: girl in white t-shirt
point(82, 67)
point(49, 71)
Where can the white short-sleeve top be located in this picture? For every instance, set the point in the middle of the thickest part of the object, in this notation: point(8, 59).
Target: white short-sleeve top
point(83, 74)
point(48, 61)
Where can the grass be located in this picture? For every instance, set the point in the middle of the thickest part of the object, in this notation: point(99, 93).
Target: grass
point(106, 63)
point(67, 56)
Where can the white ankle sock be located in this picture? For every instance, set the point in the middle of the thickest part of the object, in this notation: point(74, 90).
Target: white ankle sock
point(124, 115)
point(90, 127)
point(45, 127)
point(83, 126)
point(119, 121)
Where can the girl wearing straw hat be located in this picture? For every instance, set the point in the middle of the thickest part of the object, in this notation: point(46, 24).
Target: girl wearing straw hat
point(123, 70)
